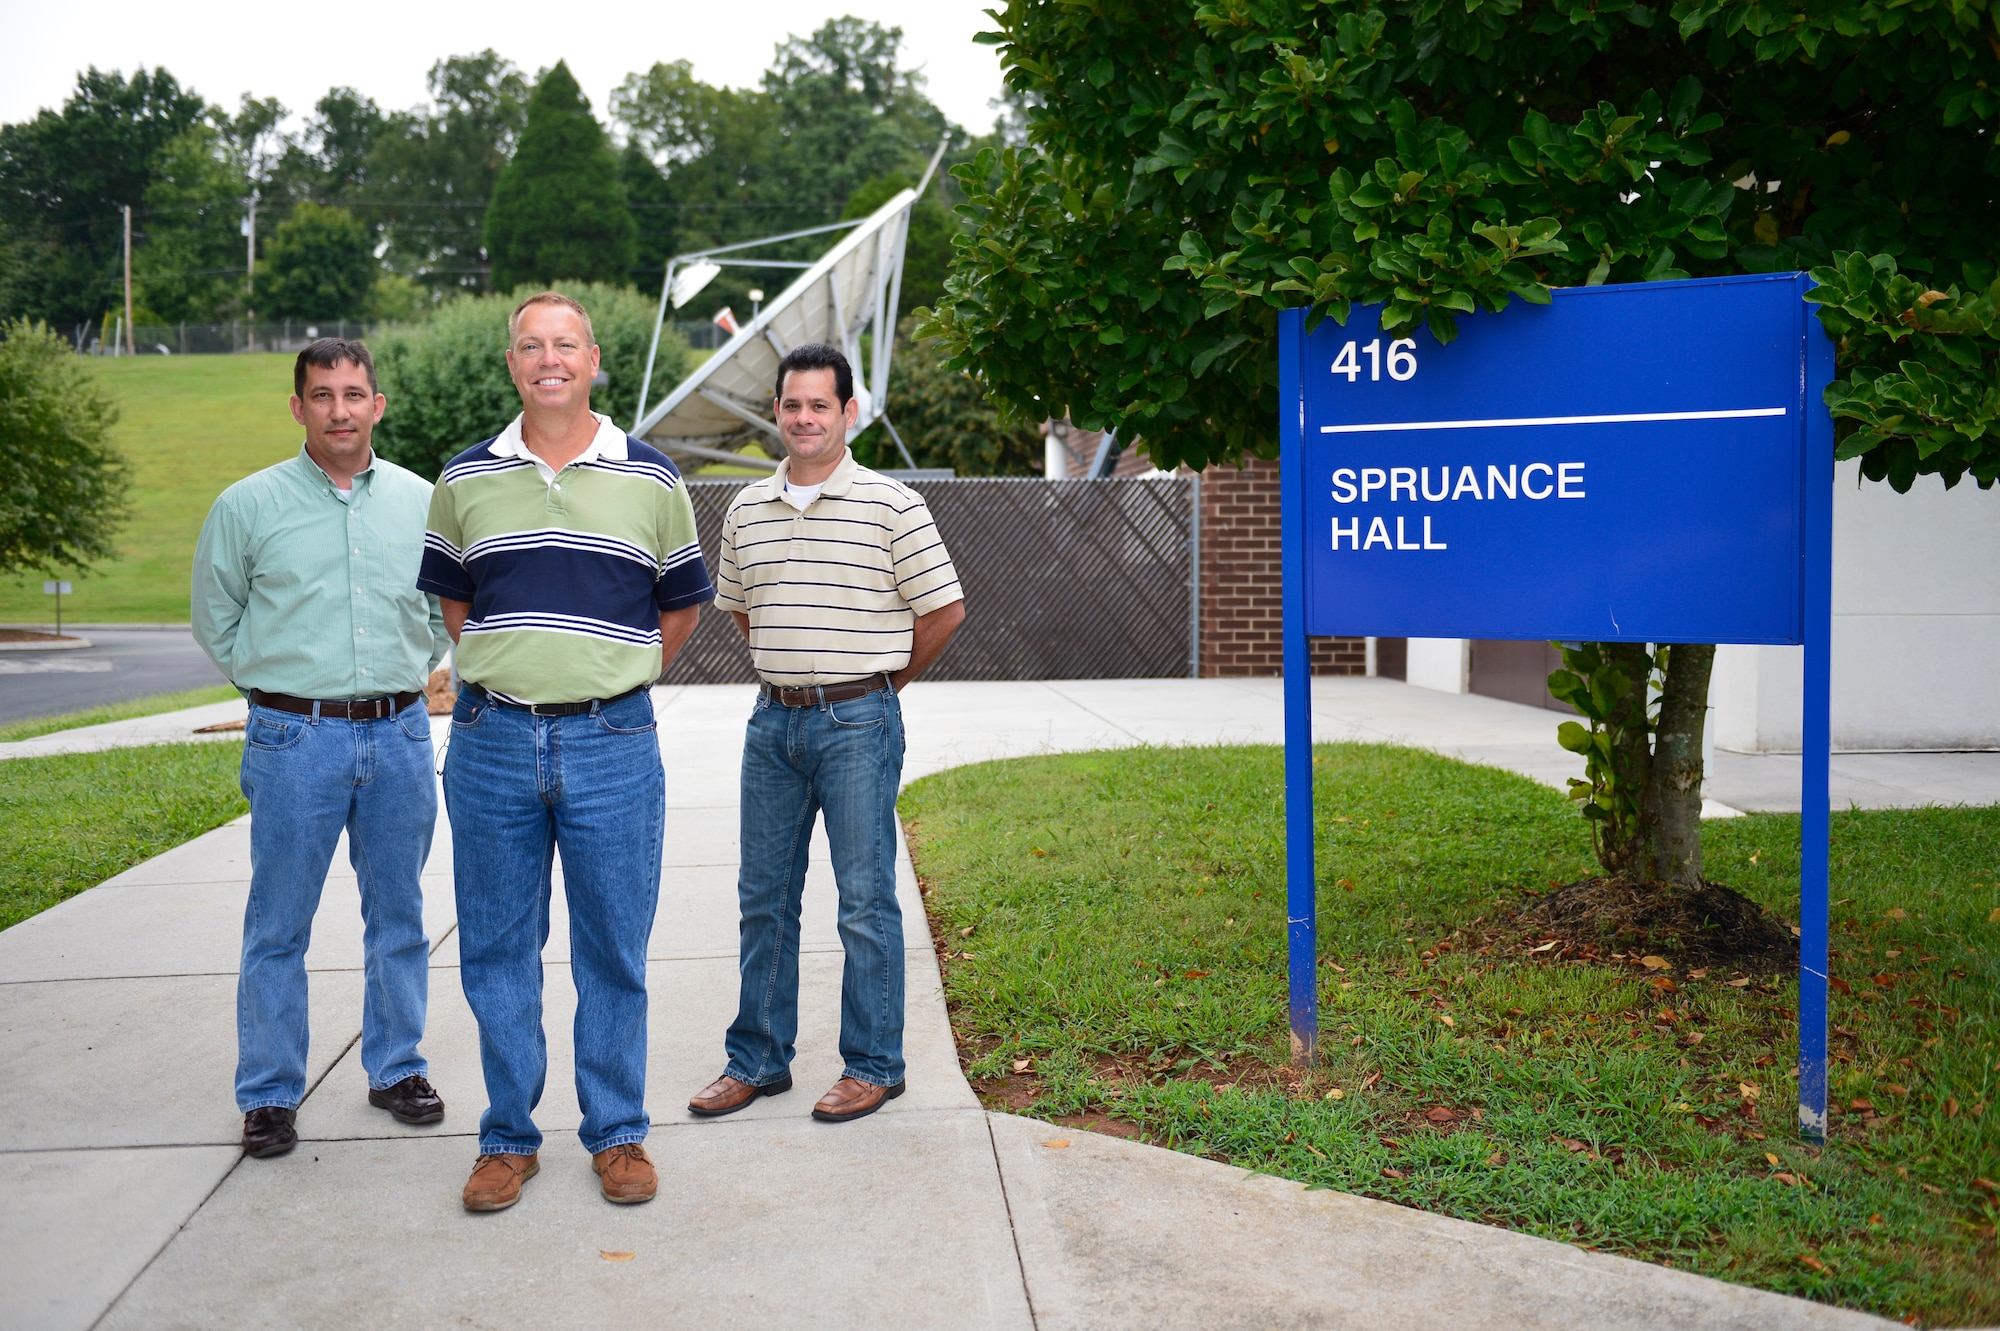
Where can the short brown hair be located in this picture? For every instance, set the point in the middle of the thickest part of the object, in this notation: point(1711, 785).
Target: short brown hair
point(325, 353)
point(549, 298)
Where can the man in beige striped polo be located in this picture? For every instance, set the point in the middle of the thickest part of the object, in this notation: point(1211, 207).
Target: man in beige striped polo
point(838, 577)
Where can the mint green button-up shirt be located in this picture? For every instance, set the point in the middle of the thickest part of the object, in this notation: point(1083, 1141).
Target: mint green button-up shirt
point(298, 590)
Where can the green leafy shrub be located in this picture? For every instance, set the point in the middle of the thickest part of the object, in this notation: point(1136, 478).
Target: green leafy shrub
point(62, 483)
point(320, 265)
point(446, 377)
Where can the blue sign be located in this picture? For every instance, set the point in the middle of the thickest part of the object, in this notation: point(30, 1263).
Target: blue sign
point(1623, 464)
point(1643, 463)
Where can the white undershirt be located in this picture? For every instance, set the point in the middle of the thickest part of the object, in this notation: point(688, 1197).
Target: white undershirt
point(801, 496)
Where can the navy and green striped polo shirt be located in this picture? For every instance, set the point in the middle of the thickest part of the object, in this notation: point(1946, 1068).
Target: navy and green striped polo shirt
point(567, 572)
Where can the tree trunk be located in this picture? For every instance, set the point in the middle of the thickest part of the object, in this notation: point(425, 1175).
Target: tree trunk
point(1670, 826)
point(1621, 843)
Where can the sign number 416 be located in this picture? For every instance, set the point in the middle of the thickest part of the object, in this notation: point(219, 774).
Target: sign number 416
point(1402, 360)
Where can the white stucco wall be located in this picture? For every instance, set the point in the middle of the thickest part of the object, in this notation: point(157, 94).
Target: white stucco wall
point(1916, 629)
point(1444, 664)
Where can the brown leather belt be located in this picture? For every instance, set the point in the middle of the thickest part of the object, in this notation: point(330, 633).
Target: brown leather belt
point(814, 695)
point(553, 708)
point(363, 709)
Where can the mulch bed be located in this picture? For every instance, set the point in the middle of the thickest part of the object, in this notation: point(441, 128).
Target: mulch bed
point(1707, 925)
point(33, 635)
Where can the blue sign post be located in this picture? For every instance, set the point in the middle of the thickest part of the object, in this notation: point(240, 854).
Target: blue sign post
point(1644, 463)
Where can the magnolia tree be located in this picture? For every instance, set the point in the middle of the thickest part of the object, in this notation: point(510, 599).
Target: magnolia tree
point(1193, 169)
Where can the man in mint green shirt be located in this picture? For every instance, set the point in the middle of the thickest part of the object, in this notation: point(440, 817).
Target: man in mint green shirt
point(305, 595)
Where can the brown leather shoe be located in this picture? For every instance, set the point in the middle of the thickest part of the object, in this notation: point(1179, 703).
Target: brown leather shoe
point(626, 1174)
point(269, 1131)
point(851, 1099)
point(496, 1181)
point(726, 1095)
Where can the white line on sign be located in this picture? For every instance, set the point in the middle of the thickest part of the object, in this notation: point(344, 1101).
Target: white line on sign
point(1633, 418)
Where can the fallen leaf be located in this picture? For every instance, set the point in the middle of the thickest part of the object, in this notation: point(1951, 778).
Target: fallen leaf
point(1860, 1106)
point(1039, 851)
point(1023, 1064)
point(965, 956)
point(1875, 1219)
point(1698, 975)
point(1392, 1143)
point(1897, 913)
point(1334, 966)
point(1543, 948)
point(1950, 1107)
point(1807, 1259)
point(1772, 1158)
point(966, 932)
point(1315, 1150)
point(1656, 963)
point(1478, 1114)
point(1394, 1173)
point(1788, 1180)
point(1445, 1017)
point(1335, 1094)
point(1993, 916)
point(1194, 975)
point(1747, 1091)
point(1696, 1038)
point(1894, 1089)
point(1370, 1080)
point(1058, 1145)
point(1663, 984)
point(616, 1256)
point(1838, 985)
point(1440, 1115)
point(1497, 1159)
point(1738, 984)
point(1986, 1185)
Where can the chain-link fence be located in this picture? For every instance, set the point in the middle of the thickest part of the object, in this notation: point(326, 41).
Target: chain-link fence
point(222, 339)
point(1072, 579)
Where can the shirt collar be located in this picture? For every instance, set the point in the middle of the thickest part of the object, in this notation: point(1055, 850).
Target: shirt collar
point(307, 458)
point(837, 482)
point(609, 443)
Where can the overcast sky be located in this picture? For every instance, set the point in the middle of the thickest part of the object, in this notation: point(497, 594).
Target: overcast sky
point(224, 48)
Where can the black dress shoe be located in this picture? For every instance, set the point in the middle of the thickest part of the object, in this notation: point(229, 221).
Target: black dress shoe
point(269, 1131)
point(410, 1100)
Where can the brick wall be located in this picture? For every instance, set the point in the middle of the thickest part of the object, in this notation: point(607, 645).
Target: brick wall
point(1241, 614)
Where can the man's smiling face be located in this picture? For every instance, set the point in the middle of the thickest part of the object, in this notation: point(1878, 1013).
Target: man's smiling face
point(552, 360)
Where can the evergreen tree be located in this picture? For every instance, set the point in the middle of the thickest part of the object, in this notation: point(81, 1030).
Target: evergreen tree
point(558, 209)
point(319, 265)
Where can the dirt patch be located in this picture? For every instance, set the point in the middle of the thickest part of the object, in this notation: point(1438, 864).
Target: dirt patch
point(1103, 1123)
point(1687, 927)
point(31, 635)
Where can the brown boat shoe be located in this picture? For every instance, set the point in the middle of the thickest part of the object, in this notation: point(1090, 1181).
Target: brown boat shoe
point(496, 1181)
point(853, 1098)
point(726, 1095)
point(626, 1174)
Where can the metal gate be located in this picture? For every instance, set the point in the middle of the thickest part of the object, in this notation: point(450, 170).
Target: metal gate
point(1070, 579)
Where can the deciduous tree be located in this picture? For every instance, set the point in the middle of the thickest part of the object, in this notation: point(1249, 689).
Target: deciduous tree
point(62, 483)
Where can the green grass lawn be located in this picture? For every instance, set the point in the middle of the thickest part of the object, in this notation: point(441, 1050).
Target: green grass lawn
point(1113, 932)
point(150, 705)
point(69, 822)
point(191, 426)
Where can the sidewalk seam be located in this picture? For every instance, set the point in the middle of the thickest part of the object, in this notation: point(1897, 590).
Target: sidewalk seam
point(1013, 1234)
point(179, 1229)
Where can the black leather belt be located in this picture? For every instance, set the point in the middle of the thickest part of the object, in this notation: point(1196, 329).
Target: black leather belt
point(361, 709)
point(814, 695)
point(553, 708)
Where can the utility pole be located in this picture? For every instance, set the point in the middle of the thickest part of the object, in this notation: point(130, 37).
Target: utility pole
point(250, 254)
point(129, 342)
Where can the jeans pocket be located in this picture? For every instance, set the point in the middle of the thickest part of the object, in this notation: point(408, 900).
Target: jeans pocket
point(630, 716)
point(415, 721)
point(469, 710)
point(268, 732)
point(870, 709)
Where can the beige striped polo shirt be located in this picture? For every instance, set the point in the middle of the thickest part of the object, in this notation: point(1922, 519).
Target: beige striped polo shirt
point(832, 592)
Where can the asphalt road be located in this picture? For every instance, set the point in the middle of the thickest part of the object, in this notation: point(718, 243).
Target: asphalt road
point(119, 664)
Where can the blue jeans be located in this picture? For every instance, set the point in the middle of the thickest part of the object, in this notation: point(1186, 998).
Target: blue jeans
point(845, 760)
point(517, 787)
point(306, 779)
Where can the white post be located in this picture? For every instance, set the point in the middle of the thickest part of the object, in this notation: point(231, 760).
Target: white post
point(129, 344)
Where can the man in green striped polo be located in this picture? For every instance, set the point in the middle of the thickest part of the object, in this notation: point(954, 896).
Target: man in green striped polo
point(564, 555)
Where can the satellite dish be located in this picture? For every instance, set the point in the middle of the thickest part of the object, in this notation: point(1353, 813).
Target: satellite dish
point(691, 279)
point(852, 291)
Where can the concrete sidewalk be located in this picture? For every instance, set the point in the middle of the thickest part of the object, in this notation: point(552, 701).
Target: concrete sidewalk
point(124, 1201)
point(955, 723)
